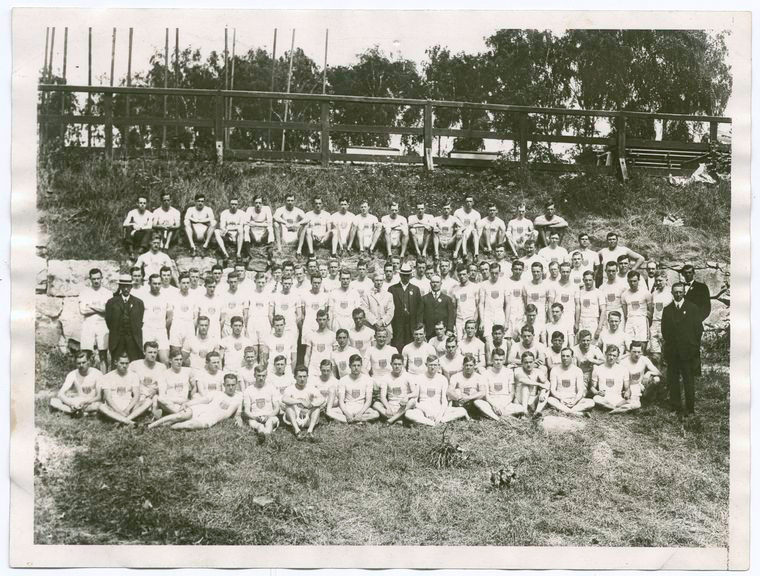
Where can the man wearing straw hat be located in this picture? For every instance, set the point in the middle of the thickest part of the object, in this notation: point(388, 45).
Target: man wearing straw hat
point(124, 318)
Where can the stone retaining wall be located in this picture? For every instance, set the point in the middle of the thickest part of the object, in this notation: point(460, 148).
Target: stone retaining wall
point(58, 322)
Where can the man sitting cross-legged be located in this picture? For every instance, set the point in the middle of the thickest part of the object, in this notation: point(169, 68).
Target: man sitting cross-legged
point(120, 390)
point(567, 387)
point(79, 392)
point(355, 394)
point(327, 384)
point(432, 407)
point(261, 404)
point(643, 375)
point(206, 411)
point(398, 392)
point(609, 382)
point(175, 385)
point(530, 382)
point(467, 386)
point(303, 405)
point(500, 400)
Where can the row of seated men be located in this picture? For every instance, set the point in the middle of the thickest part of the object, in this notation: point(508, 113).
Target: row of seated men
point(238, 229)
point(396, 387)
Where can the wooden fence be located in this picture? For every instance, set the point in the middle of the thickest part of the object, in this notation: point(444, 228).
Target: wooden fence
point(649, 155)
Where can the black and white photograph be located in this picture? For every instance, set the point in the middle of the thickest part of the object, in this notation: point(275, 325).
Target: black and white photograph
point(407, 282)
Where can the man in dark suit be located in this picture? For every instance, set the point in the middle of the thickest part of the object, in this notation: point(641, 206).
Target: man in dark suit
point(407, 304)
point(437, 306)
point(124, 318)
point(698, 294)
point(681, 333)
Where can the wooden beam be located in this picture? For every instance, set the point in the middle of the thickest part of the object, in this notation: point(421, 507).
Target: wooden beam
point(113, 53)
point(166, 85)
point(324, 146)
point(45, 77)
point(52, 51)
point(287, 90)
point(271, 88)
point(89, 82)
point(324, 68)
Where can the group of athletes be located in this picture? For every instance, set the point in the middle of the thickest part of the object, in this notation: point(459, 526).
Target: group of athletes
point(528, 328)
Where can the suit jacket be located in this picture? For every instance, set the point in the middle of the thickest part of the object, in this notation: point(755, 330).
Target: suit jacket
point(113, 314)
point(699, 294)
point(414, 316)
point(435, 309)
point(681, 331)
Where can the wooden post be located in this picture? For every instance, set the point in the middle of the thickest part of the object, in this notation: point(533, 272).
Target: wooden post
point(166, 85)
point(271, 88)
point(290, 72)
point(89, 83)
point(428, 135)
point(232, 87)
point(52, 50)
point(324, 70)
point(113, 52)
point(620, 125)
point(226, 81)
point(125, 136)
point(63, 125)
point(523, 136)
point(176, 80)
point(324, 147)
point(218, 125)
point(47, 46)
point(108, 105)
point(713, 132)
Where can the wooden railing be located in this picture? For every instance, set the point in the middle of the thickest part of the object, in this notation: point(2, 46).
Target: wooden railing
point(220, 125)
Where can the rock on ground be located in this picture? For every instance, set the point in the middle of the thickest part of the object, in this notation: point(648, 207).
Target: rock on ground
point(66, 277)
point(71, 319)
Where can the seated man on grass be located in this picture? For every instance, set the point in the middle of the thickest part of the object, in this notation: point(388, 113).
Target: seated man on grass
point(398, 392)
point(327, 384)
point(209, 410)
point(261, 405)
point(120, 391)
point(355, 394)
point(303, 405)
point(467, 386)
point(79, 393)
point(643, 375)
point(500, 400)
point(432, 406)
point(175, 386)
point(394, 231)
point(568, 390)
point(531, 384)
point(609, 382)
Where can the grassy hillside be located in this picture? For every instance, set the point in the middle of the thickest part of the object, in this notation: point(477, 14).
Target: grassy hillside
point(84, 203)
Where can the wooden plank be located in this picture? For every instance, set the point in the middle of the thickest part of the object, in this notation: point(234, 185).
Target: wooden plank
point(239, 154)
point(308, 126)
point(428, 129)
point(373, 129)
point(123, 120)
point(667, 145)
point(523, 140)
point(620, 126)
point(486, 134)
point(108, 108)
point(568, 139)
point(341, 157)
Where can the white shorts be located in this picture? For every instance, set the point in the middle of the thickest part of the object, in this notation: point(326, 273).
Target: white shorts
point(500, 402)
point(94, 335)
point(180, 332)
point(205, 415)
point(636, 328)
point(157, 335)
point(429, 407)
point(655, 337)
point(257, 234)
point(199, 230)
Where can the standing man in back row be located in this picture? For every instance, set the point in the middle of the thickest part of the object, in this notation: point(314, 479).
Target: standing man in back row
point(124, 318)
point(699, 294)
point(407, 308)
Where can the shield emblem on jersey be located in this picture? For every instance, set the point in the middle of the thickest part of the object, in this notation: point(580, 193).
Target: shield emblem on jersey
point(610, 382)
point(535, 296)
point(564, 297)
point(610, 297)
point(343, 224)
point(212, 310)
point(360, 345)
point(430, 392)
point(463, 297)
point(285, 306)
point(280, 347)
point(498, 387)
point(635, 305)
point(636, 376)
point(566, 383)
point(121, 390)
point(585, 261)
point(586, 302)
point(355, 394)
point(466, 391)
point(320, 347)
point(147, 381)
point(658, 306)
point(516, 293)
point(344, 304)
point(418, 361)
point(212, 386)
point(224, 405)
point(238, 346)
point(396, 391)
point(156, 309)
point(185, 308)
point(577, 280)
point(315, 305)
point(342, 365)
point(231, 305)
point(259, 304)
point(178, 387)
point(519, 230)
point(494, 294)
point(382, 363)
point(260, 402)
point(86, 390)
